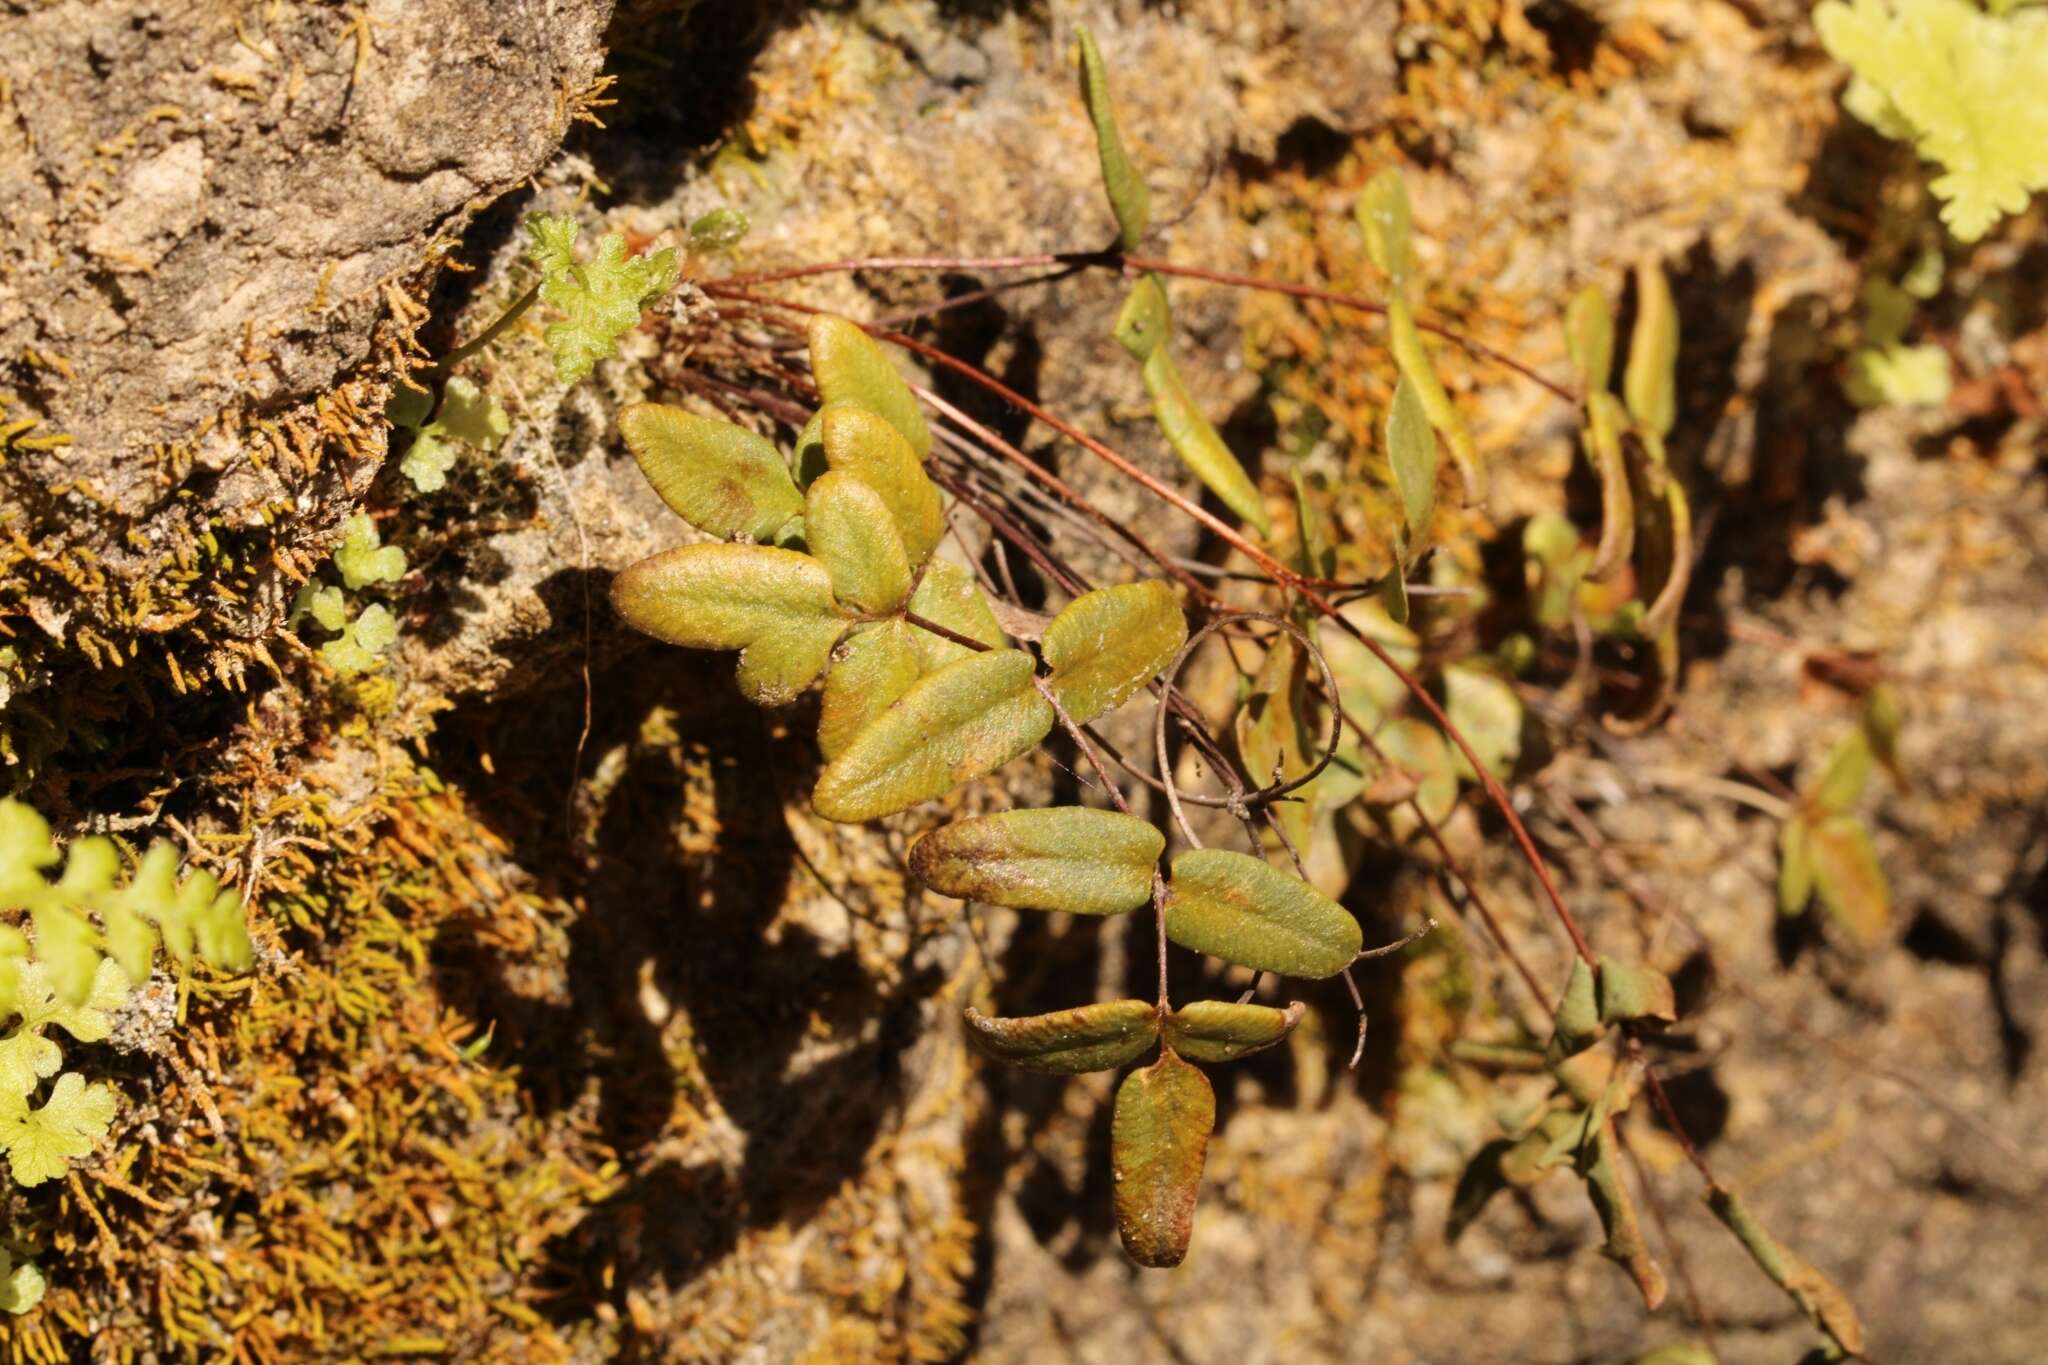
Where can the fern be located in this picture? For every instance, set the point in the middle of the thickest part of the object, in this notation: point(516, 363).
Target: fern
point(1968, 88)
point(468, 416)
point(602, 296)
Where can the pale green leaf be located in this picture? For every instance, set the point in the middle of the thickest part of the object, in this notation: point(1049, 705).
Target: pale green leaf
point(1845, 775)
point(866, 446)
point(1848, 878)
point(1272, 732)
point(948, 596)
point(1129, 200)
point(849, 529)
point(1649, 384)
point(42, 1143)
point(719, 229)
point(1222, 1031)
point(1195, 441)
point(1964, 84)
point(1416, 746)
point(1632, 993)
point(871, 670)
point(1411, 452)
point(1404, 338)
point(1071, 858)
point(1383, 214)
point(1145, 320)
point(723, 479)
point(1108, 643)
point(851, 367)
point(1817, 1296)
point(468, 416)
point(1576, 1025)
point(363, 558)
point(1899, 376)
point(1069, 1042)
point(1795, 870)
point(22, 1288)
point(602, 297)
point(1242, 909)
point(967, 719)
point(1486, 711)
point(1600, 1167)
point(362, 641)
point(774, 606)
point(1589, 339)
point(1158, 1141)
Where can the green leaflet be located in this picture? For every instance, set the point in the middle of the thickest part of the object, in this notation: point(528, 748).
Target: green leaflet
point(1605, 421)
point(1220, 1031)
point(42, 1143)
point(774, 606)
point(1158, 1141)
point(1241, 909)
point(871, 670)
point(1404, 338)
point(1086, 862)
point(1091, 1038)
point(1487, 712)
point(1846, 774)
point(1815, 1294)
point(723, 479)
point(468, 416)
point(850, 367)
point(859, 443)
point(1577, 1025)
point(362, 558)
point(848, 528)
point(1600, 1167)
point(969, 718)
point(1415, 745)
point(602, 297)
point(1650, 383)
point(1129, 200)
point(1143, 328)
point(1109, 643)
point(1589, 339)
point(1383, 215)
point(1630, 993)
point(1848, 877)
point(1795, 872)
point(1272, 734)
point(1411, 452)
point(948, 596)
point(719, 229)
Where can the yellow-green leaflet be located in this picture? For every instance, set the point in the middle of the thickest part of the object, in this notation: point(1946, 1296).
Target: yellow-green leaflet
point(859, 443)
point(722, 479)
point(1129, 200)
point(1815, 1294)
point(807, 462)
point(1220, 1031)
point(1086, 862)
point(871, 670)
point(1415, 745)
point(1411, 452)
point(1198, 445)
point(850, 367)
point(1650, 382)
point(1242, 909)
point(1158, 1140)
point(774, 606)
point(1382, 212)
point(1092, 1038)
point(948, 596)
point(1144, 321)
point(1109, 643)
point(1589, 339)
point(967, 719)
point(1605, 421)
point(1404, 338)
point(1846, 874)
point(849, 529)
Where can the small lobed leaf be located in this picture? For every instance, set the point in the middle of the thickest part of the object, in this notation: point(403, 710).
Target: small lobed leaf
point(602, 297)
point(723, 479)
point(1222, 1031)
point(1635, 993)
point(1158, 1141)
point(774, 606)
point(871, 670)
point(1383, 214)
point(859, 443)
point(42, 1143)
point(969, 718)
point(1068, 1042)
point(1589, 339)
point(468, 416)
point(849, 529)
point(1650, 381)
point(947, 595)
point(363, 559)
point(1195, 441)
point(1242, 909)
point(851, 367)
point(1109, 643)
point(1071, 858)
point(1848, 878)
point(1577, 1025)
point(1411, 451)
point(21, 1286)
point(1816, 1295)
point(1129, 200)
